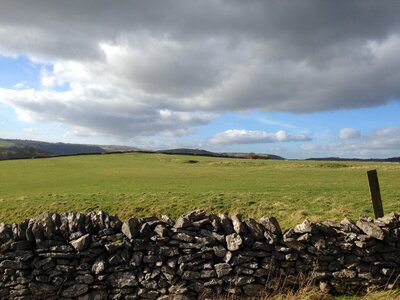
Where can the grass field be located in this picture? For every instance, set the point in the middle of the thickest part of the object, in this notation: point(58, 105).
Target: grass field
point(5, 144)
point(147, 184)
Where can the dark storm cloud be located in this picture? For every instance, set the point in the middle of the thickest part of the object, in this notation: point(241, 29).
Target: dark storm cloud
point(205, 57)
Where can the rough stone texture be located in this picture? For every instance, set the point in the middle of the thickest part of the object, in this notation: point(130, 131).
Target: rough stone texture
point(96, 256)
point(233, 241)
point(222, 269)
point(371, 229)
point(75, 290)
point(130, 228)
point(81, 243)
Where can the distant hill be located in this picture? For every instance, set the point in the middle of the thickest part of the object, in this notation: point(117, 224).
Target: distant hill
point(254, 155)
point(200, 152)
point(391, 159)
point(13, 149)
point(187, 151)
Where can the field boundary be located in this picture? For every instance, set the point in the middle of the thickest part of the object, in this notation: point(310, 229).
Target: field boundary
point(96, 255)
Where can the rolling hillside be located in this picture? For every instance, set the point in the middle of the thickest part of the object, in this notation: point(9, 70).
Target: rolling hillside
point(13, 149)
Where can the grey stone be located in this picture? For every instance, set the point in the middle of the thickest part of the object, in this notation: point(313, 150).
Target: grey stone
point(196, 215)
point(122, 280)
point(219, 251)
point(390, 220)
point(238, 225)
point(95, 295)
point(37, 230)
point(371, 229)
point(75, 290)
point(344, 274)
point(208, 274)
point(271, 224)
point(81, 243)
point(168, 251)
point(226, 223)
point(184, 237)
point(20, 245)
point(215, 222)
point(5, 231)
point(115, 223)
point(348, 225)
point(114, 246)
point(76, 235)
point(115, 259)
point(296, 245)
point(222, 269)
point(12, 264)
point(233, 241)
point(48, 226)
point(98, 266)
point(42, 289)
point(243, 280)
point(183, 222)
point(146, 294)
point(167, 219)
point(190, 275)
point(325, 287)
point(305, 227)
point(130, 228)
point(86, 279)
point(255, 229)
point(161, 230)
point(228, 256)
point(240, 259)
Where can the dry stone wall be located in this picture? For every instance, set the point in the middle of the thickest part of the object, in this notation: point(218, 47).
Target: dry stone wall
point(96, 256)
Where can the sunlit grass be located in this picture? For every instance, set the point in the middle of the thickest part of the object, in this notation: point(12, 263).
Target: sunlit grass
point(147, 184)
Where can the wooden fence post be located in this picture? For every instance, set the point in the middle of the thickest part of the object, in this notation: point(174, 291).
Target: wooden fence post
point(375, 193)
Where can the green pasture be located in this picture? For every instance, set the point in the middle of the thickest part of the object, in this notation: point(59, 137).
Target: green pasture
point(155, 184)
point(5, 144)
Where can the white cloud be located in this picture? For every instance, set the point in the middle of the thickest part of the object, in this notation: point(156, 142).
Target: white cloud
point(379, 143)
point(21, 85)
point(242, 136)
point(349, 133)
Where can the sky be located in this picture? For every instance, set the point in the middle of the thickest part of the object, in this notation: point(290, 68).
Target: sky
point(293, 78)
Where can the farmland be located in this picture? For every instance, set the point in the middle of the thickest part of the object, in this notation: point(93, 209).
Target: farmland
point(155, 184)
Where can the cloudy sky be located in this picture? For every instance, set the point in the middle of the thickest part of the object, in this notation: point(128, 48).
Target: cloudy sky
point(294, 78)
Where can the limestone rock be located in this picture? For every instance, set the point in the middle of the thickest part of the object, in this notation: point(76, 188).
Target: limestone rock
point(183, 222)
point(81, 243)
point(12, 264)
point(344, 274)
point(271, 224)
point(130, 228)
point(222, 269)
point(98, 266)
point(233, 241)
point(75, 290)
point(371, 229)
point(122, 280)
point(238, 225)
point(226, 223)
point(255, 229)
point(305, 227)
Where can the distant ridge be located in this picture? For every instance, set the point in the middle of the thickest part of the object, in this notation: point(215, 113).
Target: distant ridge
point(15, 149)
point(188, 151)
point(200, 152)
point(391, 159)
